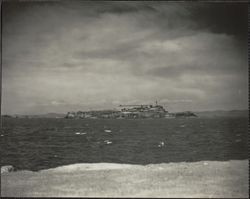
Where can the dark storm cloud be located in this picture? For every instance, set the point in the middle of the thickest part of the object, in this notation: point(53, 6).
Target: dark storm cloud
point(229, 18)
point(89, 54)
point(118, 8)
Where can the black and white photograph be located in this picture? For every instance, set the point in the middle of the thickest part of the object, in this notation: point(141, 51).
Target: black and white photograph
point(136, 99)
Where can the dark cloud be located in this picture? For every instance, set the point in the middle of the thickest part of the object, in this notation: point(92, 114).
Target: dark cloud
point(229, 18)
point(118, 9)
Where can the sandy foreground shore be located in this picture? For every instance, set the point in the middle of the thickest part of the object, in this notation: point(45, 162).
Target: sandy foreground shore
point(198, 179)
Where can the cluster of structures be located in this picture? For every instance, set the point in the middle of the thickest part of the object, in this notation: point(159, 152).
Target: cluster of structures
point(93, 114)
point(130, 111)
point(143, 111)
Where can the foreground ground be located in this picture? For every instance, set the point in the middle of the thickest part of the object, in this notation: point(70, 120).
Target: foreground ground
point(198, 179)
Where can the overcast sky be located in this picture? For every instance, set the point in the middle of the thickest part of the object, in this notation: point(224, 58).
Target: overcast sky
point(78, 55)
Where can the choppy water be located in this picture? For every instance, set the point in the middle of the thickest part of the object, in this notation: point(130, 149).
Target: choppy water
point(36, 144)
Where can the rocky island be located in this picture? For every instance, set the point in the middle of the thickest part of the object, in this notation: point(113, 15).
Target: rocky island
point(130, 112)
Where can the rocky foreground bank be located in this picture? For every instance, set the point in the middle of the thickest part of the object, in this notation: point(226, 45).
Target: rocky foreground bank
point(198, 179)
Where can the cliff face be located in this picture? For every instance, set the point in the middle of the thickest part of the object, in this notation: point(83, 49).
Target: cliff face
point(93, 114)
point(116, 114)
point(135, 112)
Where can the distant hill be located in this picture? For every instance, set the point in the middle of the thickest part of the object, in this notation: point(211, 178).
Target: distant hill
point(54, 115)
point(47, 115)
point(221, 113)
